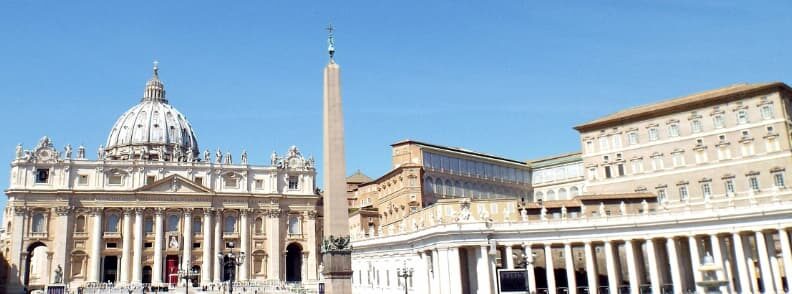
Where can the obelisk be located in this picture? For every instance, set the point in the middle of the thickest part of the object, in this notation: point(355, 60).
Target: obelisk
point(336, 246)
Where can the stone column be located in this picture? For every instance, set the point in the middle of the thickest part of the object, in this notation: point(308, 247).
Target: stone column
point(695, 261)
point(509, 258)
point(435, 277)
point(244, 268)
point(17, 252)
point(443, 271)
point(591, 268)
point(742, 267)
point(610, 262)
point(218, 239)
point(274, 240)
point(137, 257)
point(62, 241)
point(764, 262)
point(632, 267)
point(530, 267)
point(654, 273)
point(786, 252)
point(570, 268)
point(454, 270)
point(774, 266)
point(718, 257)
point(310, 227)
point(96, 246)
point(126, 251)
point(483, 271)
point(550, 269)
point(673, 260)
point(156, 274)
point(187, 241)
point(206, 265)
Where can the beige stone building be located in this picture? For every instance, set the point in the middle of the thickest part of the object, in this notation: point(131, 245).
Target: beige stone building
point(654, 191)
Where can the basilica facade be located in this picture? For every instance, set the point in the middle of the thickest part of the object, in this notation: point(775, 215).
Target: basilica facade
point(150, 203)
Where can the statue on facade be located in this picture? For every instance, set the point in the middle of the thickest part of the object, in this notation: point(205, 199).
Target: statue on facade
point(563, 212)
point(68, 151)
point(207, 157)
point(464, 213)
point(524, 214)
point(602, 210)
point(645, 206)
point(543, 212)
point(58, 275)
point(161, 153)
point(623, 208)
point(582, 210)
point(228, 159)
point(274, 158)
point(100, 153)
point(81, 152)
point(218, 156)
point(243, 157)
point(19, 151)
point(177, 153)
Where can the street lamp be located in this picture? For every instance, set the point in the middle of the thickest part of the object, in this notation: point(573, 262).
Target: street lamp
point(187, 275)
point(404, 273)
point(234, 260)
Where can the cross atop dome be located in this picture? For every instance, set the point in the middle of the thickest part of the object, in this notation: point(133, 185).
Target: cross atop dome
point(155, 89)
point(156, 68)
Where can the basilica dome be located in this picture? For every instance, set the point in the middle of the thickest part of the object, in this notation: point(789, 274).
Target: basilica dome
point(152, 130)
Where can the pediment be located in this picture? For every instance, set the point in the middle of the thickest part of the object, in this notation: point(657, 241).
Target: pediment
point(174, 184)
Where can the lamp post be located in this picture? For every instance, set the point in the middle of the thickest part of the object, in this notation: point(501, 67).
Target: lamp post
point(404, 273)
point(709, 275)
point(187, 275)
point(234, 260)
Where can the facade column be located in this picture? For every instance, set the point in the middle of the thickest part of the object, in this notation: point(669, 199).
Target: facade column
point(244, 269)
point(17, 253)
point(654, 272)
point(137, 257)
point(591, 268)
point(62, 242)
point(774, 266)
point(673, 260)
point(187, 243)
point(570, 268)
point(156, 275)
point(717, 255)
point(764, 262)
point(206, 265)
point(454, 269)
point(610, 262)
point(509, 258)
point(695, 261)
point(742, 267)
point(126, 251)
point(443, 271)
point(435, 277)
point(530, 267)
point(274, 240)
point(632, 267)
point(310, 226)
point(786, 253)
point(483, 275)
point(96, 245)
point(218, 239)
point(550, 269)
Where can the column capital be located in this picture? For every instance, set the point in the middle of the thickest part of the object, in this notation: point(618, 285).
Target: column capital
point(218, 212)
point(139, 210)
point(20, 210)
point(244, 211)
point(208, 211)
point(312, 214)
point(128, 211)
point(274, 213)
point(63, 210)
point(527, 245)
point(97, 211)
point(187, 211)
point(159, 211)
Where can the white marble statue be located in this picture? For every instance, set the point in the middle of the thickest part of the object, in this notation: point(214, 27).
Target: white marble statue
point(100, 153)
point(563, 212)
point(244, 156)
point(218, 156)
point(19, 151)
point(190, 155)
point(623, 208)
point(81, 152)
point(582, 210)
point(602, 210)
point(543, 213)
point(274, 158)
point(645, 206)
point(207, 157)
point(68, 151)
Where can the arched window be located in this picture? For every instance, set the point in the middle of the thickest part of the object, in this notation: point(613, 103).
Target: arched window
point(574, 191)
point(562, 194)
point(457, 189)
point(196, 225)
point(230, 224)
point(551, 195)
point(79, 224)
point(449, 188)
point(259, 226)
point(294, 224)
point(428, 185)
point(468, 192)
point(173, 223)
point(112, 223)
point(148, 225)
point(439, 189)
point(38, 222)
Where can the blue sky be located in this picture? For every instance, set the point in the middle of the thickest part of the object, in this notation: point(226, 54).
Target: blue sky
point(504, 77)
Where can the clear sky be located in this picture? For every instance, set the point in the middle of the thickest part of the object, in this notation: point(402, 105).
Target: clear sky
point(509, 78)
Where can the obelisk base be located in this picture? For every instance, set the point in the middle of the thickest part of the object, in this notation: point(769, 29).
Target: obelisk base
point(337, 272)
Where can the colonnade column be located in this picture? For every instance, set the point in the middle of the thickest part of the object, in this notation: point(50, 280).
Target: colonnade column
point(455, 277)
point(310, 226)
point(274, 240)
point(550, 269)
point(610, 263)
point(156, 275)
point(187, 244)
point(96, 245)
point(742, 267)
point(126, 257)
point(673, 260)
point(443, 271)
point(483, 274)
point(717, 255)
point(591, 268)
point(62, 241)
point(137, 258)
point(529, 265)
point(570, 268)
point(206, 264)
point(695, 261)
point(654, 273)
point(632, 267)
point(764, 262)
point(509, 258)
point(774, 266)
point(218, 239)
point(786, 253)
point(435, 278)
point(245, 231)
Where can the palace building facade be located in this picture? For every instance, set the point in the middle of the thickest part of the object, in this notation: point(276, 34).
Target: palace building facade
point(151, 204)
point(658, 195)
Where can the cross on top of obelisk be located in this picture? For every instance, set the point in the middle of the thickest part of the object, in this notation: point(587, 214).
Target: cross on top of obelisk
point(330, 40)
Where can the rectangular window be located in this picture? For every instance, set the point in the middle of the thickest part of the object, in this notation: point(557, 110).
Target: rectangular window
point(621, 169)
point(150, 179)
point(115, 179)
point(632, 138)
point(607, 172)
point(592, 173)
point(293, 183)
point(729, 186)
point(617, 141)
point(701, 156)
point(657, 163)
point(695, 126)
point(742, 117)
point(259, 184)
point(673, 130)
point(82, 180)
point(767, 112)
point(754, 183)
point(683, 193)
point(747, 149)
point(724, 153)
point(679, 159)
point(230, 182)
point(637, 166)
point(653, 134)
point(778, 179)
point(706, 190)
point(603, 142)
point(198, 180)
point(42, 175)
point(589, 146)
point(718, 121)
point(661, 195)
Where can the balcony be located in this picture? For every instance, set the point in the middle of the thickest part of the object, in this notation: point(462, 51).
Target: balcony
point(112, 235)
point(37, 235)
point(298, 236)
